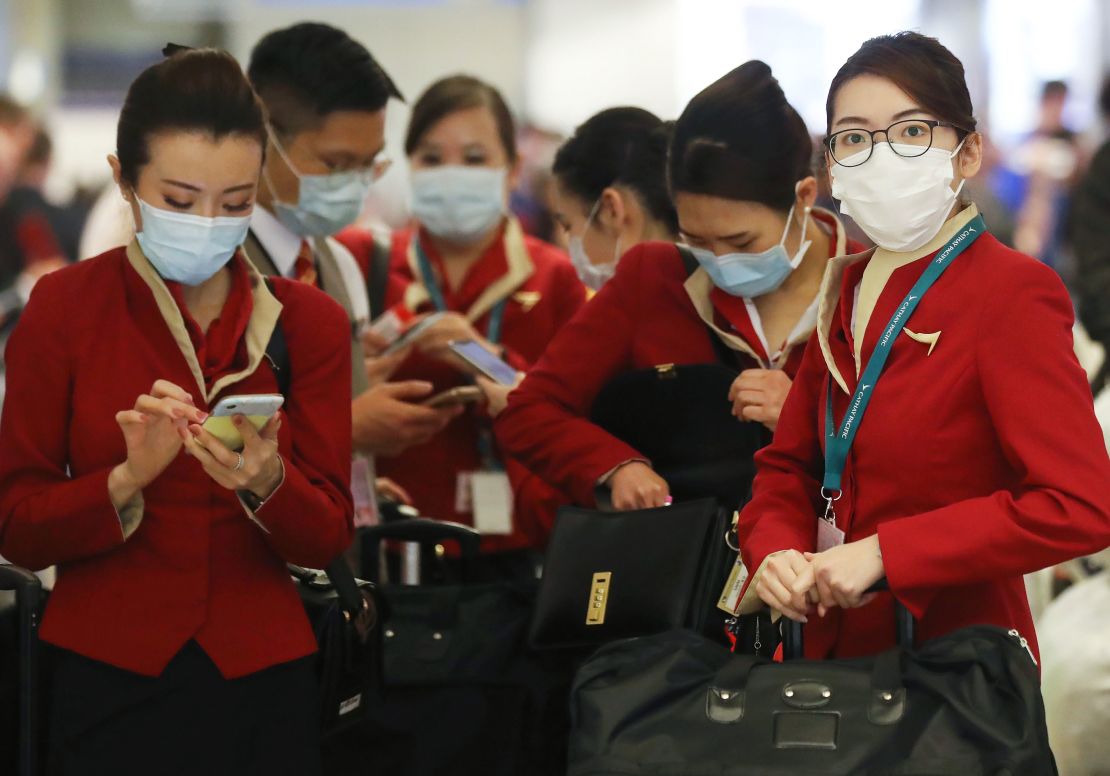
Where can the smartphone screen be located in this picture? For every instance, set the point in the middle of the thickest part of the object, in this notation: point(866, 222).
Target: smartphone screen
point(485, 362)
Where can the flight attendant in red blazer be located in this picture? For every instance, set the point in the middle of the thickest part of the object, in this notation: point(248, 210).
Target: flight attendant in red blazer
point(183, 646)
point(740, 173)
point(978, 457)
point(497, 286)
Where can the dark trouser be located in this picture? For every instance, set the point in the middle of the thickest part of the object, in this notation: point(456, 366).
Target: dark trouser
point(188, 721)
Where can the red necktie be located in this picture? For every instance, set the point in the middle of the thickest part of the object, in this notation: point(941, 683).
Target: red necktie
point(304, 268)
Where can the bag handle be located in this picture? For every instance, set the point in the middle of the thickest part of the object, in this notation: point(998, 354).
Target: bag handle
point(793, 642)
point(423, 531)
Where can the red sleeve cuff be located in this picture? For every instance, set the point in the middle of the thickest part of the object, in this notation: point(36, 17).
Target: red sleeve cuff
point(305, 527)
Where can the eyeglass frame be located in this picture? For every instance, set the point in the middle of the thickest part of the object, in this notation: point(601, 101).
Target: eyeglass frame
point(931, 123)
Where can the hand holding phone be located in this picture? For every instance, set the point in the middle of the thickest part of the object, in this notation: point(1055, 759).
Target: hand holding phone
point(256, 408)
point(484, 362)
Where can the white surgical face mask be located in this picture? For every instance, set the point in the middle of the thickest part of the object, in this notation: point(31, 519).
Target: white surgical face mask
point(326, 204)
point(749, 275)
point(900, 202)
point(459, 203)
point(186, 248)
point(594, 276)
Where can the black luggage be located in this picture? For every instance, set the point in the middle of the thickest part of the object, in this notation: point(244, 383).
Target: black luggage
point(20, 670)
point(675, 704)
point(614, 575)
point(462, 692)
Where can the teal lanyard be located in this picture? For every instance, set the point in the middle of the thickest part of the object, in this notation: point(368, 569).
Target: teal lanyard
point(837, 444)
point(497, 314)
point(496, 318)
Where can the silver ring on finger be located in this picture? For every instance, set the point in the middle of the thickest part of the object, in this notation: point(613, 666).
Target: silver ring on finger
point(239, 463)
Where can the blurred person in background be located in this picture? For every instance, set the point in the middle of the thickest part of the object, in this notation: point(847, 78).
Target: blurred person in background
point(326, 99)
point(609, 194)
point(182, 643)
point(510, 293)
point(1047, 164)
point(1090, 234)
point(742, 183)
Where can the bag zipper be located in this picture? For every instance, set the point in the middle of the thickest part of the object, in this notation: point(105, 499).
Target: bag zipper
point(1024, 644)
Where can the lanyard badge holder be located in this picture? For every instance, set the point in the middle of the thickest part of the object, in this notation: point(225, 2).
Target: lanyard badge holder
point(838, 442)
point(486, 494)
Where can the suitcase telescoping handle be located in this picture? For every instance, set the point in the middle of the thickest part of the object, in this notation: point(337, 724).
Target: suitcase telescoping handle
point(421, 530)
point(793, 642)
point(28, 596)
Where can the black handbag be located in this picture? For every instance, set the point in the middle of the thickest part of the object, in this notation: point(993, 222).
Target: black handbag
point(675, 704)
point(613, 575)
point(344, 614)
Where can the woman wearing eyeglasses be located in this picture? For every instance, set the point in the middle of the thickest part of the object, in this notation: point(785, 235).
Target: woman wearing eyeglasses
point(740, 172)
point(940, 432)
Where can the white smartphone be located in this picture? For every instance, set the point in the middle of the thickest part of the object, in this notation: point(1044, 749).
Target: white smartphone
point(484, 361)
point(411, 333)
point(258, 408)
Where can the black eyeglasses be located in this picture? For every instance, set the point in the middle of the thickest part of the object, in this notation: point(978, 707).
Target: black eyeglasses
point(909, 138)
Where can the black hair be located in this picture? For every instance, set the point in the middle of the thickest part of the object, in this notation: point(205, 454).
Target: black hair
point(1054, 89)
point(192, 90)
point(309, 70)
point(620, 146)
point(918, 65)
point(457, 93)
point(740, 139)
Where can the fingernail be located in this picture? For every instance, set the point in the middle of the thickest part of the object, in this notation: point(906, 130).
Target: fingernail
point(237, 420)
point(201, 417)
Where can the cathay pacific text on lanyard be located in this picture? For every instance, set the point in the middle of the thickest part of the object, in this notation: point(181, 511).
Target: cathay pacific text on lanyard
point(837, 444)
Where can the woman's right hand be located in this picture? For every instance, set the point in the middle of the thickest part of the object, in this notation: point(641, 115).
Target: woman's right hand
point(154, 432)
point(636, 486)
point(785, 583)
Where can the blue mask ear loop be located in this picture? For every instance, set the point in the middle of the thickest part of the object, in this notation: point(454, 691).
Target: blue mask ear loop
point(797, 260)
point(589, 220)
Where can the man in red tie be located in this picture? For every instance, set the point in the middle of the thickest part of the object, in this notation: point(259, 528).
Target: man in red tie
point(326, 97)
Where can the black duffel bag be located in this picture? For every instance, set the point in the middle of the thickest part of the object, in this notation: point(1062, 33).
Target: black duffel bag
point(344, 613)
point(674, 704)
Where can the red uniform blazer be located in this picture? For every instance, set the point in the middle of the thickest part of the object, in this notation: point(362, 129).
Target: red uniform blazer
point(975, 463)
point(641, 318)
point(91, 340)
point(536, 310)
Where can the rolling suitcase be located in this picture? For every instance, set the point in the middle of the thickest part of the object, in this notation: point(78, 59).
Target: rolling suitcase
point(462, 691)
point(678, 705)
point(28, 599)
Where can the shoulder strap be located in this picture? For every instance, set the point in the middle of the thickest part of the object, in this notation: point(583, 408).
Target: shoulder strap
point(724, 353)
point(277, 353)
point(377, 278)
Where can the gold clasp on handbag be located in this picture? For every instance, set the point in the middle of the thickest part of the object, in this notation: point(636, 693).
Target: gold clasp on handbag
point(599, 597)
point(666, 371)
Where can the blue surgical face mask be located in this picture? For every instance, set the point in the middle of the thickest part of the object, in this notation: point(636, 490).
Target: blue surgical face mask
point(458, 203)
point(749, 275)
point(593, 276)
point(185, 248)
point(326, 204)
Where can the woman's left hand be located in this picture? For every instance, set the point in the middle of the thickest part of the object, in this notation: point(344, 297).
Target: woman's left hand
point(843, 574)
point(758, 395)
point(257, 468)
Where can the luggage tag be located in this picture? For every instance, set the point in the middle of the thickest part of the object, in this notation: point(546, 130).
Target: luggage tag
point(828, 535)
point(362, 492)
point(734, 585)
point(491, 499)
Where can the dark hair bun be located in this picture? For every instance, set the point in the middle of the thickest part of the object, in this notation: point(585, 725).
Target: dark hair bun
point(740, 139)
point(620, 146)
point(192, 90)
